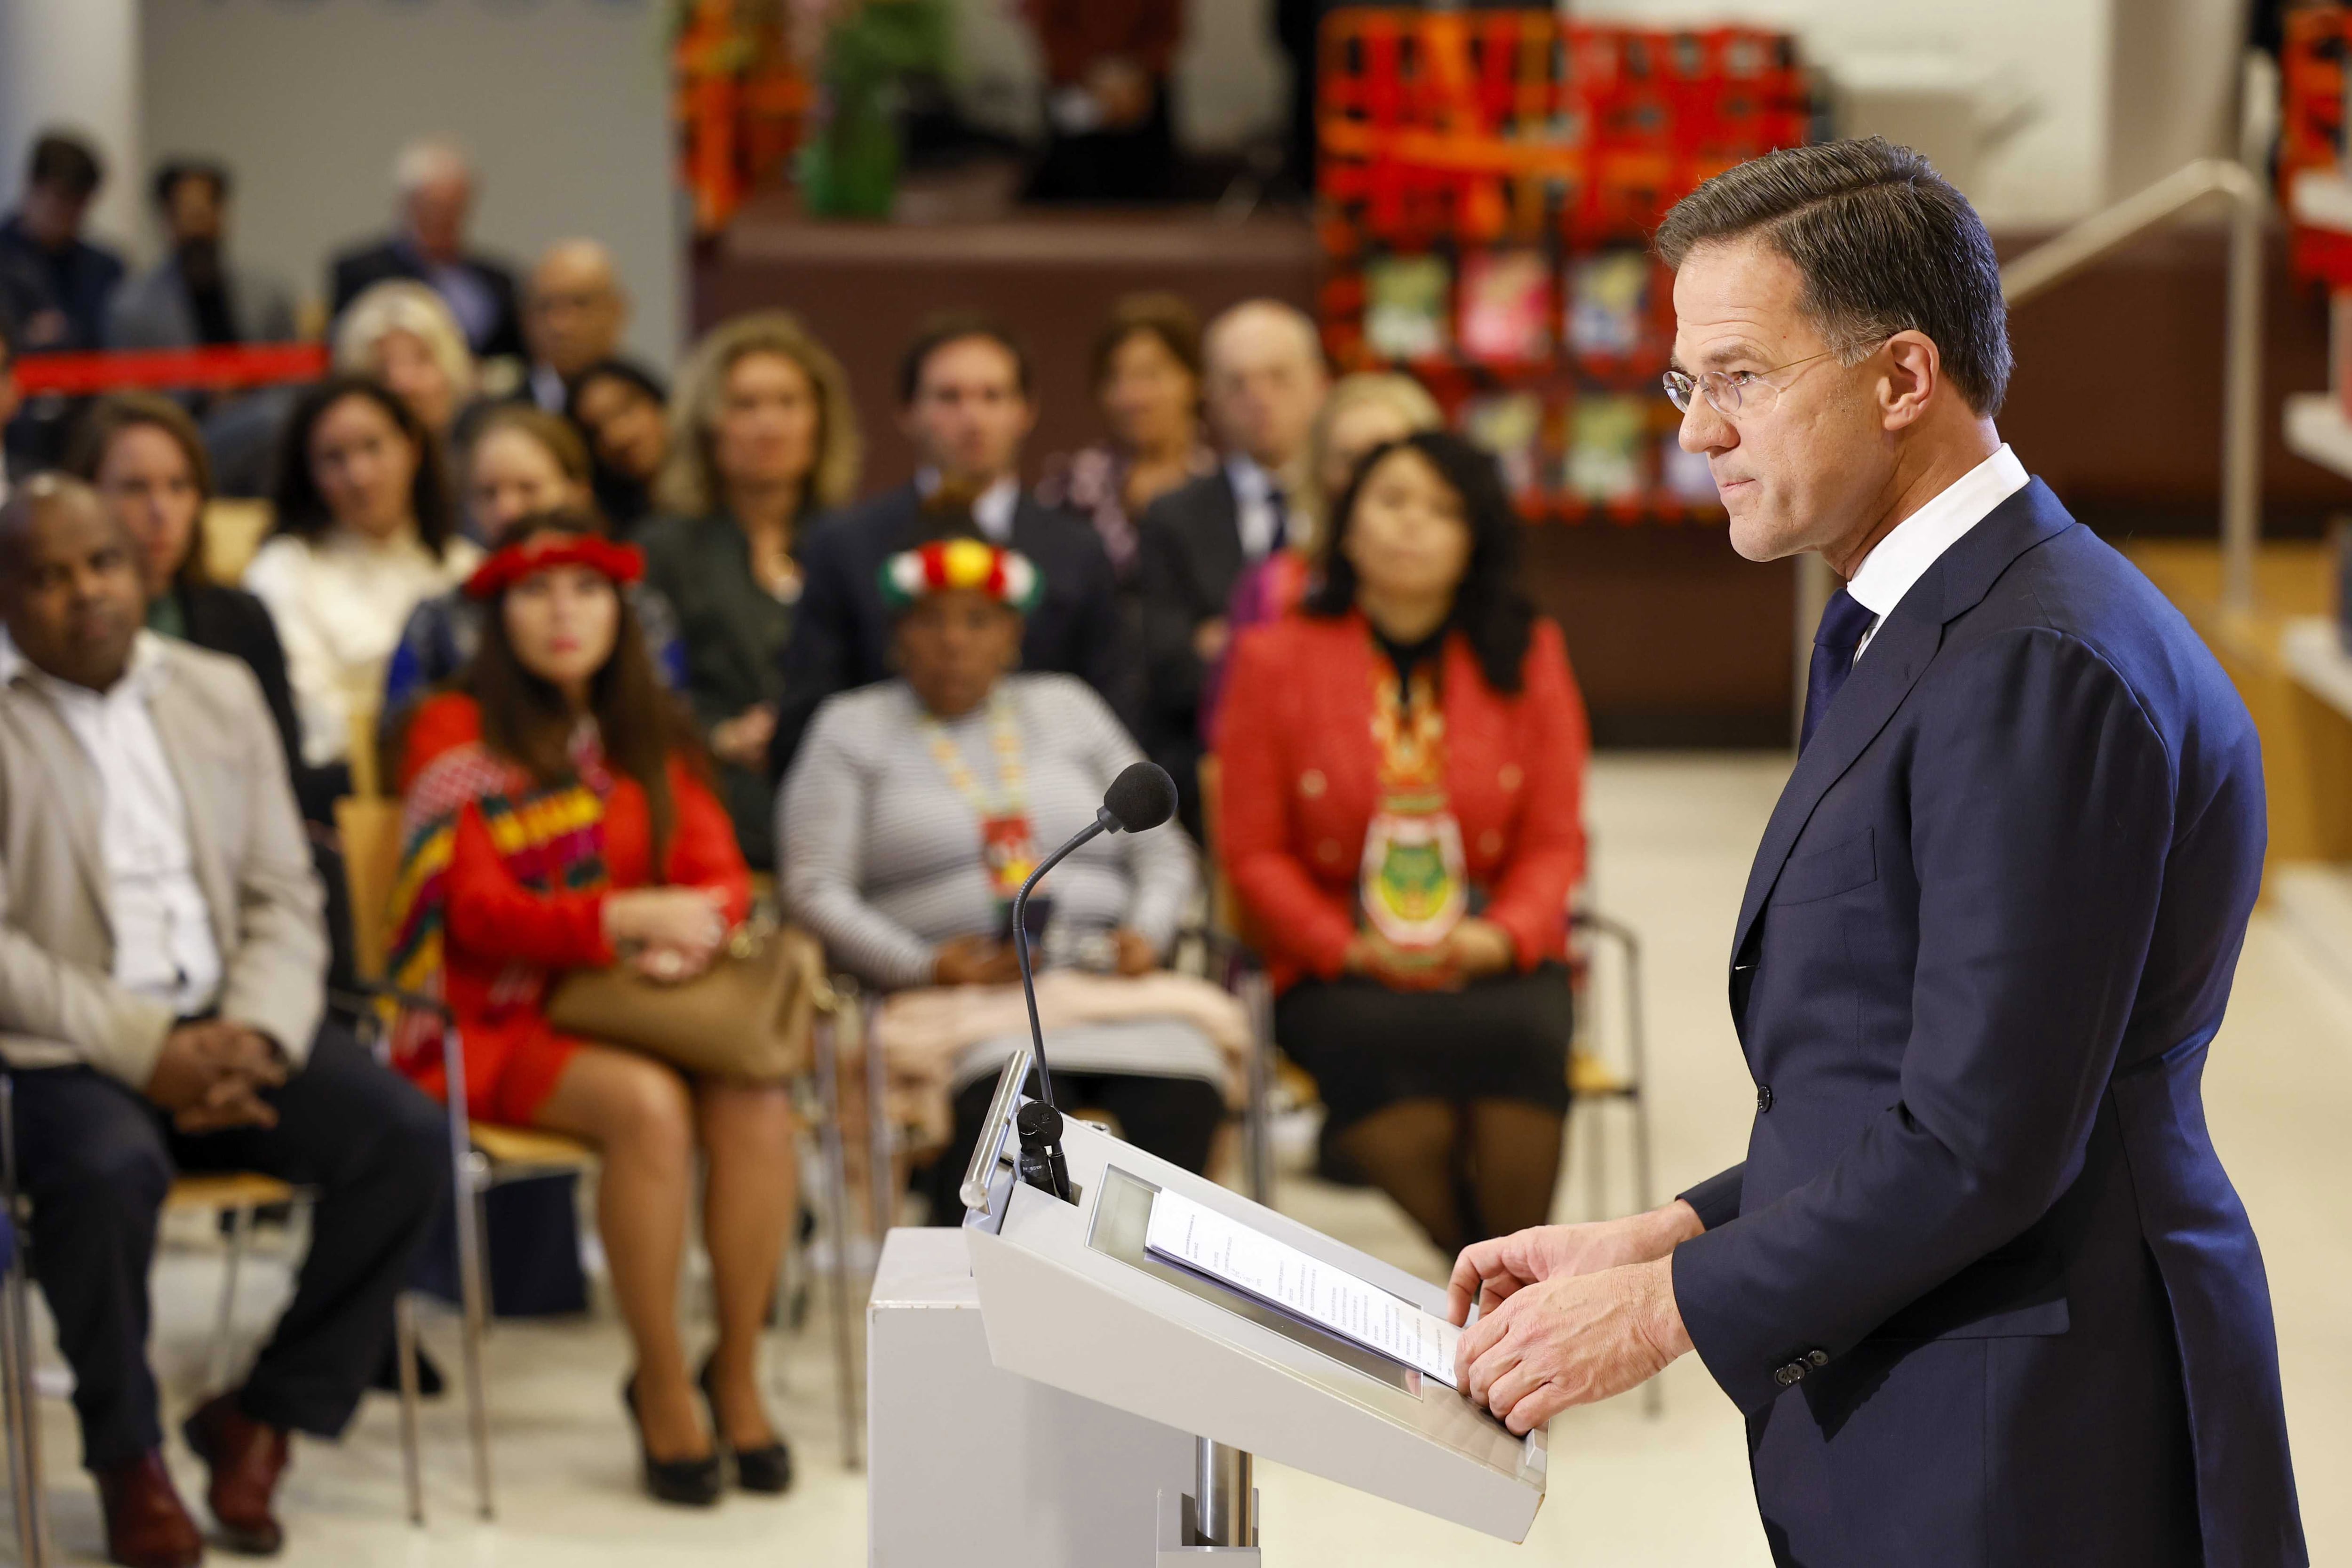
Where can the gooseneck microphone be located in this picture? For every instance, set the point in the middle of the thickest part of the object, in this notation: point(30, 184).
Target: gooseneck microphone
point(1141, 798)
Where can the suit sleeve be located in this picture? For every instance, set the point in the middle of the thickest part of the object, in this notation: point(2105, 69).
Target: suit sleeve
point(1715, 1201)
point(1172, 671)
point(1292, 908)
point(277, 979)
point(1530, 899)
point(821, 655)
point(2042, 802)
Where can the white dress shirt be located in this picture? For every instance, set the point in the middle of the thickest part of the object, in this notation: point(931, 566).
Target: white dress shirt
point(340, 602)
point(164, 947)
point(1903, 557)
point(1260, 510)
point(992, 510)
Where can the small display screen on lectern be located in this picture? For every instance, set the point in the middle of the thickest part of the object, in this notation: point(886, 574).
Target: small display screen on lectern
point(1198, 1237)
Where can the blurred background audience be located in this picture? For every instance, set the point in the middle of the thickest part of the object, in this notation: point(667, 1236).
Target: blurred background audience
point(555, 819)
point(1402, 768)
point(432, 188)
point(623, 408)
point(194, 295)
point(366, 530)
point(404, 335)
point(767, 442)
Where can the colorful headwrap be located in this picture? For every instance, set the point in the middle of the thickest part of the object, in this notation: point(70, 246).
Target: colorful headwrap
point(624, 564)
point(1005, 575)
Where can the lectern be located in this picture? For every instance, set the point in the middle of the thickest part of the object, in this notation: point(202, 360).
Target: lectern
point(1071, 1296)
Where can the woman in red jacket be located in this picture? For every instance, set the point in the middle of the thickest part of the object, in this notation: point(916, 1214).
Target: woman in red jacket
point(556, 816)
point(1402, 772)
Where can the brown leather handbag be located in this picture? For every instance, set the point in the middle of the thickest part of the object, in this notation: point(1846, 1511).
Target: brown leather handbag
point(750, 1016)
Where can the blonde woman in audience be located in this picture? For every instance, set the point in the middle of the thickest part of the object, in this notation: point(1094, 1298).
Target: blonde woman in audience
point(1368, 410)
point(402, 334)
point(765, 438)
point(364, 533)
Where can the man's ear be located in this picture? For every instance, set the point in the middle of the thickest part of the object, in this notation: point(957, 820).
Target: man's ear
point(1913, 380)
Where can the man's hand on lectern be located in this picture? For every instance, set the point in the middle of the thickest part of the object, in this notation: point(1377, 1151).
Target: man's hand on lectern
point(1489, 1272)
point(1572, 1339)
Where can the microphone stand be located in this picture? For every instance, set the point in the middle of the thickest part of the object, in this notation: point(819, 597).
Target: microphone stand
point(1040, 1122)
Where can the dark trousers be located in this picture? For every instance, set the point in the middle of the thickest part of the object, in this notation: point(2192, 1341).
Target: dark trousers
point(96, 1160)
point(1175, 1118)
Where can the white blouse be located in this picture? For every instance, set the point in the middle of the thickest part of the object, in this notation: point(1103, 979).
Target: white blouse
point(340, 602)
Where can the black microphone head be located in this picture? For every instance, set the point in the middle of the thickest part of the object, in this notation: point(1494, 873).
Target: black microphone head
point(1140, 798)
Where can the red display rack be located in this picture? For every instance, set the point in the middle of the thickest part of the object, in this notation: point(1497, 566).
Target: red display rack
point(1487, 185)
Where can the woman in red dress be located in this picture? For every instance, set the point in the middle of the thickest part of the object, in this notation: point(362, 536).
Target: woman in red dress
point(1401, 780)
point(556, 818)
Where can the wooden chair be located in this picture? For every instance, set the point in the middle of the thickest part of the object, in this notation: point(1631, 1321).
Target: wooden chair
point(234, 529)
point(482, 1156)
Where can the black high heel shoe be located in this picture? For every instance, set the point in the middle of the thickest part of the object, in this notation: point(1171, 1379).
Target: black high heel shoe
point(695, 1483)
point(767, 1470)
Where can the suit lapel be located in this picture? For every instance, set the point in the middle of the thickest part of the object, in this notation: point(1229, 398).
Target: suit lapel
point(1897, 656)
point(76, 792)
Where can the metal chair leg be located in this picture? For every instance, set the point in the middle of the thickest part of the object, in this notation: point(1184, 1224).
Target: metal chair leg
point(240, 1232)
point(25, 1475)
point(882, 1176)
point(411, 1464)
point(1257, 1132)
point(836, 1181)
point(468, 1172)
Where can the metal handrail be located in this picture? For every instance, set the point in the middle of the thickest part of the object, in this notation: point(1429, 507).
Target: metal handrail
point(2061, 257)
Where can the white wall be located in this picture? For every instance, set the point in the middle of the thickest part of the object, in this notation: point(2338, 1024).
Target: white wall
point(75, 64)
point(564, 104)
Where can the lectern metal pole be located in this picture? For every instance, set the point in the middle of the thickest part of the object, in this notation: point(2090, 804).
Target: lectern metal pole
point(1223, 1494)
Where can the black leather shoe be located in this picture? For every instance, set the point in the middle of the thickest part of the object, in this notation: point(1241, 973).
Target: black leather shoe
point(692, 1483)
point(767, 1470)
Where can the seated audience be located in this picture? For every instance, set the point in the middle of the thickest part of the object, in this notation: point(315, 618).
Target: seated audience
point(555, 819)
point(519, 463)
point(767, 439)
point(624, 410)
point(1265, 381)
point(436, 191)
point(1400, 818)
point(1368, 410)
point(916, 809)
point(1108, 132)
point(10, 396)
point(364, 533)
point(169, 1016)
point(194, 296)
point(60, 284)
point(142, 455)
point(1147, 381)
point(967, 403)
point(574, 312)
point(404, 336)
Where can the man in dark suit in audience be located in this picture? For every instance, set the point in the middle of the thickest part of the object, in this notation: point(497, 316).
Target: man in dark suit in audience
point(194, 296)
point(1265, 379)
point(64, 282)
point(573, 312)
point(966, 403)
point(1982, 1289)
point(435, 188)
point(162, 1008)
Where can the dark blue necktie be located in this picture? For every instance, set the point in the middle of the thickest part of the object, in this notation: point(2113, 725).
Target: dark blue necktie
point(1844, 621)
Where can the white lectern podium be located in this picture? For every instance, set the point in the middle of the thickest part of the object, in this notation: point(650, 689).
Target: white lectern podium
point(1071, 1297)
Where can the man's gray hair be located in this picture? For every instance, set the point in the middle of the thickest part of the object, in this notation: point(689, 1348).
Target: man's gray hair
point(427, 160)
point(1884, 242)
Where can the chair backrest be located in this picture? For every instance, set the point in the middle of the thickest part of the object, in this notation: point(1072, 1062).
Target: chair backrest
point(234, 529)
point(370, 829)
point(364, 757)
point(1224, 908)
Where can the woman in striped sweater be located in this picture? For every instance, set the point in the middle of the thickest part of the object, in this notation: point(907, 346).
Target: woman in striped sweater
point(918, 807)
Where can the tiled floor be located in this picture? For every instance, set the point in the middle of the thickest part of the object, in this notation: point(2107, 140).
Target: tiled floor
point(1674, 836)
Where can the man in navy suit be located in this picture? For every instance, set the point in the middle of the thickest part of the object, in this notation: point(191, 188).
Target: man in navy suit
point(1981, 1289)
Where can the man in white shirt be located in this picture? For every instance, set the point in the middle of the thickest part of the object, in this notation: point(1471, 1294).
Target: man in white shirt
point(161, 1002)
point(1264, 381)
point(1981, 1288)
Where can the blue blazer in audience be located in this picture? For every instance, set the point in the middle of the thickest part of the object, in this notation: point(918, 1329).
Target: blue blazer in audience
point(1982, 1288)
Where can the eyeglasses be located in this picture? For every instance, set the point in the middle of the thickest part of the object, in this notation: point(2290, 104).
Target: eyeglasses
point(1727, 392)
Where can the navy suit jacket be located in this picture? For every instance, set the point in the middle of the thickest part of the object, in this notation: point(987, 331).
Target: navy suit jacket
point(841, 630)
point(355, 271)
point(1982, 1288)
